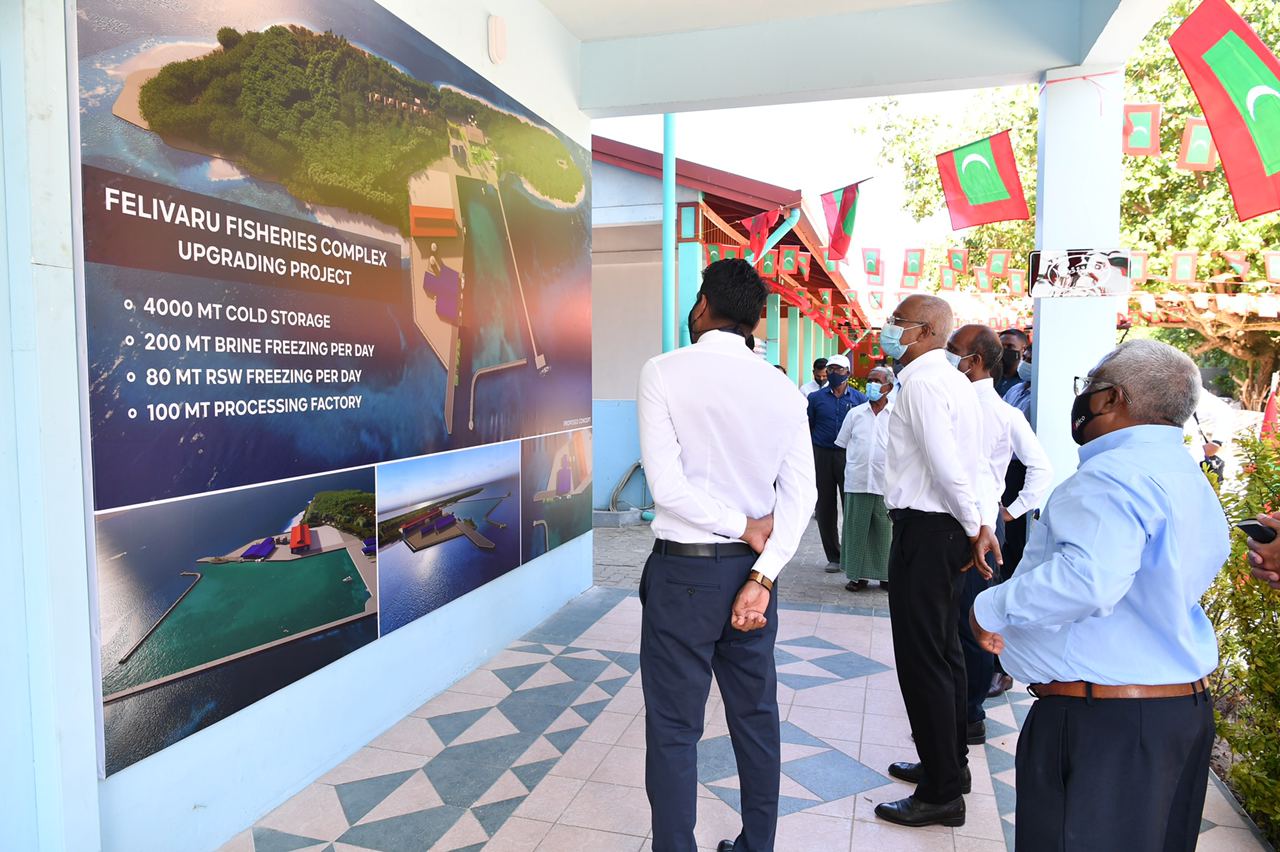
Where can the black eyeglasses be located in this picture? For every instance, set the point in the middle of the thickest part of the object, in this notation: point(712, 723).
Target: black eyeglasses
point(1083, 383)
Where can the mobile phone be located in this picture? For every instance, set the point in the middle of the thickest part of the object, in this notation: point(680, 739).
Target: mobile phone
point(1256, 531)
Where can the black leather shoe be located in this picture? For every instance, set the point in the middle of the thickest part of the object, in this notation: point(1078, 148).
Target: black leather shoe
point(725, 846)
point(910, 772)
point(976, 732)
point(915, 814)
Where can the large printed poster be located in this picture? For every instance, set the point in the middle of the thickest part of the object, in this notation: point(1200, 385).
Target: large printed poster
point(315, 245)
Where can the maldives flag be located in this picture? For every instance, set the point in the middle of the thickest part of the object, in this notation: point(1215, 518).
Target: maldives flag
point(1198, 153)
point(983, 278)
point(840, 208)
point(1018, 281)
point(913, 262)
point(715, 252)
point(1237, 81)
point(910, 282)
point(998, 262)
point(980, 181)
point(758, 228)
point(730, 252)
point(803, 260)
point(946, 278)
point(1182, 267)
point(958, 260)
point(1142, 130)
point(1138, 266)
point(871, 260)
point(789, 261)
point(1271, 263)
point(769, 264)
point(1238, 261)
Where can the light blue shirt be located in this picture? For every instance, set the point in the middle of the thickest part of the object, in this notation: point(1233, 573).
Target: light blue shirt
point(1019, 396)
point(1109, 587)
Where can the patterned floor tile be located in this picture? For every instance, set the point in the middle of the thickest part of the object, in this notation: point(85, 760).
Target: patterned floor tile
point(542, 748)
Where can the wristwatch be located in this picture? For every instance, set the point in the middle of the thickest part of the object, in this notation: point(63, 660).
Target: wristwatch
point(761, 579)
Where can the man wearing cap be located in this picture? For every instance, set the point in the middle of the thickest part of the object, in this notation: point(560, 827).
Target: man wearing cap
point(827, 409)
point(1213, 465)
point(726, 454)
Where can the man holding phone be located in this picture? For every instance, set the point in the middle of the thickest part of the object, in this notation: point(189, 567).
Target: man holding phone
point(1264, 547)
point(1103, 620)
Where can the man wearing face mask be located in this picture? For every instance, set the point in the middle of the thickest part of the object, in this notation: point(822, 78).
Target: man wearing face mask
point(932, 488)
point(864, 435)
point(1012, 342)
point(976, 352)
point(726, 452)
point(1103, 620)
point(819, 378)
point(827, 409)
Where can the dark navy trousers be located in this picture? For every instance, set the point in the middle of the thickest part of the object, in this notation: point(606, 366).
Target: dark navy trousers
point(979, 665)
point(685, 638)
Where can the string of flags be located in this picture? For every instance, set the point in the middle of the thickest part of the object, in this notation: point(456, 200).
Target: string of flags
point(1236, 80)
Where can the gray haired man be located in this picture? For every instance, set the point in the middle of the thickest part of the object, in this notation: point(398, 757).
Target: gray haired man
point(1103, 620)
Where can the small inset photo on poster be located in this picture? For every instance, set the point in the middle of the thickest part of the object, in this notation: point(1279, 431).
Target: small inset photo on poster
point(1079, 272)
point(211, 603)
point(556, 490)
point(447, 524)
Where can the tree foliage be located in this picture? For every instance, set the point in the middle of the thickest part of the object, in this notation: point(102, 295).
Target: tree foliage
point(1163, 209)
point(309, 110)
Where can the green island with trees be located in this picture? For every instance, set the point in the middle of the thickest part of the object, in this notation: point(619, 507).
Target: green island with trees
point(336, 125)
point(352, 511)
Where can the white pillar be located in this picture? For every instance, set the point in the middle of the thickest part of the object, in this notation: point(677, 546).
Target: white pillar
point(1078, 206)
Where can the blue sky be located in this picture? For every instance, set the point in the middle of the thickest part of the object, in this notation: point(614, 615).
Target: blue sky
point(418, 480)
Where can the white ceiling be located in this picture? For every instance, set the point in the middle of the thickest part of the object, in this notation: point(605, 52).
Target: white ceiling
point(597, 20)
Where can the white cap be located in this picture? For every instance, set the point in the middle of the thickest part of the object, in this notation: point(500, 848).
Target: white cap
point(838, 361)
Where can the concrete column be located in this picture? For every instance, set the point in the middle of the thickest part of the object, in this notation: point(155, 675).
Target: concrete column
point(669, 320)
point(773, 330)
point(793, 345)
point(808, 348)
point(1078, 206)
point(48, 728)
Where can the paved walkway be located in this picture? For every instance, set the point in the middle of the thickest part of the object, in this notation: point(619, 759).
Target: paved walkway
point(542, 748)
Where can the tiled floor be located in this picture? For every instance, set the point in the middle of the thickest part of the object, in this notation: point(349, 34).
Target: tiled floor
point(543, 749)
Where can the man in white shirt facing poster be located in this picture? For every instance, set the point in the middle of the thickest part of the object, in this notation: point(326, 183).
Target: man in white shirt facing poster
point(724, 439)
point(933, 476)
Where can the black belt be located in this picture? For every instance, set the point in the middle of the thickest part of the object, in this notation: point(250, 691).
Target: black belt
point(704, 551)
point(904, 514)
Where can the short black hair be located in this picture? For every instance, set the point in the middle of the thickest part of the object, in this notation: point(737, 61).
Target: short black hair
point(820, 364)
point(986, 345)
point(1018, 333)
point(734, 291)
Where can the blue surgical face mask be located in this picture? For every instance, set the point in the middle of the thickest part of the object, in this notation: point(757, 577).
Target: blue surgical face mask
point(1024, 370)
point(873, 392)
point(891, 341)
point(953, 359)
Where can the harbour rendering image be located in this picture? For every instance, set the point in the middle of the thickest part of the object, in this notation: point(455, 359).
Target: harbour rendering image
point(555, 479)
point(278, 570)
point(453, 526)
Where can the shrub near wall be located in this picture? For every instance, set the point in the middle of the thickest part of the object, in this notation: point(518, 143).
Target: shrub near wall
point(1246, 616)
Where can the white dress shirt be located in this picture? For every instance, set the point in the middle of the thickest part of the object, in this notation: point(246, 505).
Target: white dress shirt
point(864, 435)
point(1005, 432)
point(932, 464)
point(811, 387)
point(724, 437)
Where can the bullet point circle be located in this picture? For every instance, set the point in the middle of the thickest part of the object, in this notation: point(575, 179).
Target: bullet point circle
point(128, 341)
point(128, 304)
point(133, 412)
point(130, 376)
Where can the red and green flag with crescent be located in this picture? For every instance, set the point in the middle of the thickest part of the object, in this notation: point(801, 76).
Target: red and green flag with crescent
point(871, 260)
point(803, 261)
point(913, 262)
point(1142, 130)
point(981, 184)
point(758, 228)
point(730, 252)
point(789, 260)
point(1237, 81)
point(840, 207)
point(715, 252)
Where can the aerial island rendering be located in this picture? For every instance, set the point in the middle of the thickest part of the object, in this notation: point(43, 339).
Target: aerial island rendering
point(556, 490)
point(370, 146)
point(453, 526)
point(178, 615)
